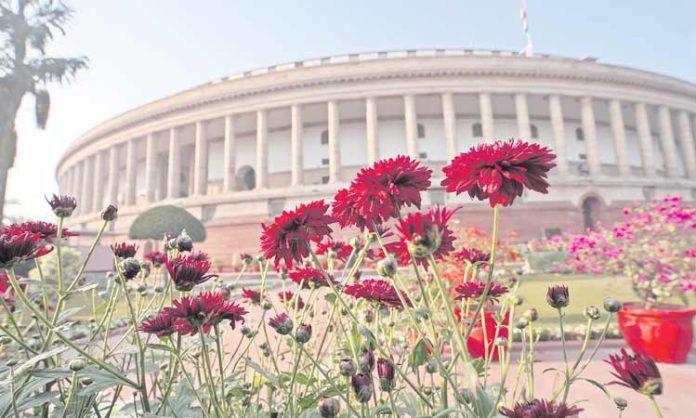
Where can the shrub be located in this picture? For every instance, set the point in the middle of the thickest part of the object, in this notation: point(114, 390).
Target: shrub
point(164, 220)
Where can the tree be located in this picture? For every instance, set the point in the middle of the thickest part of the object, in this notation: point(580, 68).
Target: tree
point(26, 27)
point(167, 219)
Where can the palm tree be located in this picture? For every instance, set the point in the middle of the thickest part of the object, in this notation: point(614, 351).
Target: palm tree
point(26, 26)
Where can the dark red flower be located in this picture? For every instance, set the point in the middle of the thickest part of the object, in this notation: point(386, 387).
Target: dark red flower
point(377, 290)
point(557, 296)
point(17, 247)
point(124, 249)
point(62, 206)
point(379, 192)
point(203, 311)
point(281, 323)
point(385, 371)
point(540, 408)
point(309, 277)
point(288, 237)
point(499, 171)
point(157, 258)
point(362, 386)
point(472, 255)
point(637, 372)
point(474, 290)
point(48, 231)
point(162, 325)
point(288, 299)
point(422, 234)
point(251, 296)
point(188, 271)
point(341, 249)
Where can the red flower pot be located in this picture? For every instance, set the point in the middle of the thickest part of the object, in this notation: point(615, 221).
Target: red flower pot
point(476, 344)
point(665, 333)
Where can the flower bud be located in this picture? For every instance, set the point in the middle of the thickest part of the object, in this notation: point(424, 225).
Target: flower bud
point(266, 305)
point(303, 333)
point(11, 362)
point(282, 324)
point(346, 367)
point(620, 403)
point(76, 365)
point(517, 300)
point(109, 213)
point(366, 361)
point(184, 243)
point(385, 371)
point(130, 267)
point(612, 305)
point(369, 316)
point(531, 314)
point(329, 407)
point(86, 380)
point(465, 395)
point(557, 296)
point(592, 312)
point(62, 206)
point(245, 330)
point(354, 242)
point(386, 267)
point(521, 323)
point(431, 367)
point(362, 386)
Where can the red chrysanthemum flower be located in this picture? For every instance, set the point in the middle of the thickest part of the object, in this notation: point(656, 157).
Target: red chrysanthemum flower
point(124, 249)
point(340, 248)
point(48, 231)
point(471, 255)
point(500, 171)
point(637, 372)
point(474, 290)
point(288, 237)
point(62, 205)
point(281, 323)
point(423, 234)
point(378, 192)
point(377, 290)
point(203, 311)
point(162, 325)
point(157, 258)
point(251, 296)
point(187, 271)
point(540, 408)
point(288, 299)
point(310, 277)
point(17, 247)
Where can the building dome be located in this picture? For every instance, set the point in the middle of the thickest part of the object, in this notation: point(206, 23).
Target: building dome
point(237, 151)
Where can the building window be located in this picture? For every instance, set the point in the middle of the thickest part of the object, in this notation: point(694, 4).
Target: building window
point(552, 232)
point(324, 161)
point(208, 213)
point(590, 212)
point(476, 130)
point(324, 137)
point(534, 131)
point(246, 178)
point(579, 134)
point(583, 157)
point(423, 155)
point(421, 130)
point(325, 180)
point(276, 206)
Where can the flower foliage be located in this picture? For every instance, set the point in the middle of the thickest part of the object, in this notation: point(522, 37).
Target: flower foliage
point(379, 291)
point(500, 171)
point(189, 270)
point(637, 372)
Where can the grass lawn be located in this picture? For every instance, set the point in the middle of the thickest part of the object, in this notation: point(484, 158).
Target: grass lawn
point(584, 291)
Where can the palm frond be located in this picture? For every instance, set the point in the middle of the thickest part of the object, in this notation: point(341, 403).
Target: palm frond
point(50, 69)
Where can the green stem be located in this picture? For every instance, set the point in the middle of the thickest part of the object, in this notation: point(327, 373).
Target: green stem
point(656, 407)
point(71, 396)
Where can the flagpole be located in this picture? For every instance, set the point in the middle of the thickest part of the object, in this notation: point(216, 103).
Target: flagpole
point(528, 50)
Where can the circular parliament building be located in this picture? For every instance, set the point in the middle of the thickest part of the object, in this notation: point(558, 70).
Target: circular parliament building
point(237, 151)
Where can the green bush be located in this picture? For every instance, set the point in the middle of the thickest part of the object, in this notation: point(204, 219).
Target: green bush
point(158, 221)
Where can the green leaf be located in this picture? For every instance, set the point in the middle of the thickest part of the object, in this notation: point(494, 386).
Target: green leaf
point(419, 355)
point(263, 372)
point(597, 384)
point(161, 347)
point(35, 401)
point(37, 358)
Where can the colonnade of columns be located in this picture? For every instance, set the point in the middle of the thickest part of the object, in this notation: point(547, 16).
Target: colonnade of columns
point(97, 177)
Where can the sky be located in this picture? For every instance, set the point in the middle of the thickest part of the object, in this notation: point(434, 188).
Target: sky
point(142, 50)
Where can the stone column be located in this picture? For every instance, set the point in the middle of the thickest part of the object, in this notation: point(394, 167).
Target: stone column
point(371, 125)
point(590, 130)
point(486, 109)
point(619, 131)
point(229, 180)
point(99, 186)
point(411, 122)
point(68, 182)
point(449, 120)
point(87, 184)
point(261, 149)
point(667, 139)
point(556, 115)
point(131, 171)
point(200, 163)
point(687, 142)
point(334, 142)
point(522, 111)
point(114, 165)
point(150, 167)
point(174, 165)
point(645, 138)
point(297, 164)
point(79, 174)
